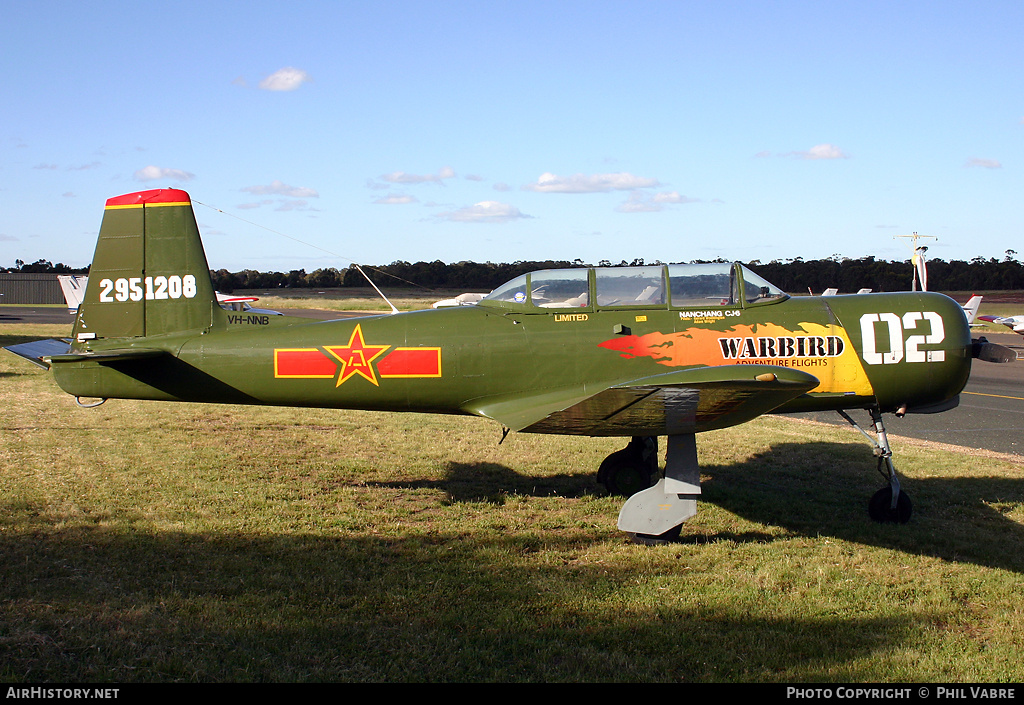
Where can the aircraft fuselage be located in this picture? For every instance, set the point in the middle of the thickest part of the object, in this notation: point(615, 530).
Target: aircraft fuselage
point(901, 349)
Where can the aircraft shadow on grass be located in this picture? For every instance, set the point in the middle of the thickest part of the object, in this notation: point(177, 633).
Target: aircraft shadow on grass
point(494, 482)
point(348, 599)
point(955, 519)
point(236, 606)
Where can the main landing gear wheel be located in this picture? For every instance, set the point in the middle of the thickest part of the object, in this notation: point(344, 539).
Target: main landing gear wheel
point(670, 536)
point(880, 507)
point(632, 469)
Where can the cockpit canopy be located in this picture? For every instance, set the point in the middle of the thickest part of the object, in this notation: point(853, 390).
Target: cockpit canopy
point(652, 286)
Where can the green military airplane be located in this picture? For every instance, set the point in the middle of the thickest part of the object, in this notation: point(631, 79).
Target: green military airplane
point(638, 352)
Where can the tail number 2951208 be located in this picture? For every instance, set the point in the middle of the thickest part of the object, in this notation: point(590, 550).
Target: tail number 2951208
point(148, 288)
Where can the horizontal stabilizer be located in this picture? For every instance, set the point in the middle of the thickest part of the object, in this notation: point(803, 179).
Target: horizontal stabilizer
point(38, 351)
point(105, 356)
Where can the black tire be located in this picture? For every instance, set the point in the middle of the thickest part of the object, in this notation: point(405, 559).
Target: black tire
point(880, 507)
point(670, 536)
point(624, 474)
point(632, 469)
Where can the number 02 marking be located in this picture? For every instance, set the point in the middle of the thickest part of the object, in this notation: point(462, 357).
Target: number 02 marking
point(898, 347)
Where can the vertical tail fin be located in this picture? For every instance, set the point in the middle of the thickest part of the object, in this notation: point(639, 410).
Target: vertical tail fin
point(149, 275)
point(73, 288)
point(971, 308)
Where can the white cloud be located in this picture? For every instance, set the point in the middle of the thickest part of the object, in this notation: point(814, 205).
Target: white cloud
point(484, 212)
point(593, 183)
point(641, 203)
point(294, 205)
point(155, 173)
point(818, 151)
point(984, 163)
point(283, 204)
point(673, 197)
point(638, 205)
point(825, 151)
point(250, 206)
point(8, 238)
point(278, 188)
point(396, 199)
point(401, 177)
point(287, 79)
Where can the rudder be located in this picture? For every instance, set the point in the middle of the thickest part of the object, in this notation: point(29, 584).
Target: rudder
point(149, 275)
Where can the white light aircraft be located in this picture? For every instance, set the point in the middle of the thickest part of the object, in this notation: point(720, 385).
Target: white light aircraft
point(1014, 323)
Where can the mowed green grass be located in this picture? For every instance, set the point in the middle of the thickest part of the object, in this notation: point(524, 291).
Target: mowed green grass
point(145, 541)
point(348, 298)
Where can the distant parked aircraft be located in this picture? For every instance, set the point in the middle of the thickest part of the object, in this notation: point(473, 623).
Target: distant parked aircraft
point(1014, 323)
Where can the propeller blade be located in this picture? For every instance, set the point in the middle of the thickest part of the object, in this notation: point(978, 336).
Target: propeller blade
point(991, 352)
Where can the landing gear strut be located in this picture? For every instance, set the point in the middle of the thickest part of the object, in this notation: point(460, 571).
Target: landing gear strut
point(889, 505)
point(655, 513)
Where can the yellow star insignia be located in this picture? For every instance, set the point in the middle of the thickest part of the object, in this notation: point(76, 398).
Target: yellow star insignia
point(356, 357)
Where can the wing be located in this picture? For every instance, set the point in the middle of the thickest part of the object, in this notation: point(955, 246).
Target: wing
point(683, 401)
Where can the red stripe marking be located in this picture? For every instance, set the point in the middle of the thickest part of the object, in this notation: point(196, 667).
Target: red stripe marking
point(305, 362)
point(411, 362)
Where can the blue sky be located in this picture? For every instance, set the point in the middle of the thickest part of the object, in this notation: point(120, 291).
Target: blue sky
point(315, 133)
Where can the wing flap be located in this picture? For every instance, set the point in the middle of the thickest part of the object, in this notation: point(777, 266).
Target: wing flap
point(683, 401)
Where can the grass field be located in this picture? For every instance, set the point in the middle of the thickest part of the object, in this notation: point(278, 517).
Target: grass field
point(347, 299)
point(144, 541)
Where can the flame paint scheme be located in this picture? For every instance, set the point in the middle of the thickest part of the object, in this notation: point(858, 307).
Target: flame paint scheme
point(638, 352)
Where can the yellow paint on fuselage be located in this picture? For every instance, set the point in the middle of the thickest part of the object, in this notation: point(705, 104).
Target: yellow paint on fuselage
point(824, 351)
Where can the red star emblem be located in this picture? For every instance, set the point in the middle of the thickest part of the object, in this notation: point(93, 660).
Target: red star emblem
point(356, 357)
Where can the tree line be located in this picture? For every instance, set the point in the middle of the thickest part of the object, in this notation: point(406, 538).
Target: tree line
point(43, 266)
point(793, 275)
point(849, 275)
